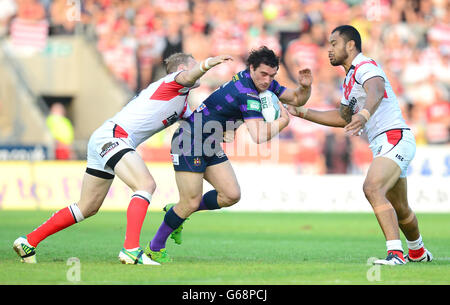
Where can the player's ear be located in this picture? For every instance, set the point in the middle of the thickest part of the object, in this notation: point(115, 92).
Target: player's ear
point(350, 45)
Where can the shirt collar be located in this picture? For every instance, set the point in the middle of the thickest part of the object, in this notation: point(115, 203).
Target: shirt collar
point(357, 59)
point(246, 75)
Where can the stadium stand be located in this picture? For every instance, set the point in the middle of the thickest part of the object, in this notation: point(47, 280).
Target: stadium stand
point(409, 38)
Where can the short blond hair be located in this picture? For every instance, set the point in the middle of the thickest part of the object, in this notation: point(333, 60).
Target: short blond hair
point(173, 61)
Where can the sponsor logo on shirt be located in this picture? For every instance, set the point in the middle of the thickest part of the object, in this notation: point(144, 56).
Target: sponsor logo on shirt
point(171, 119)
point(253, 105)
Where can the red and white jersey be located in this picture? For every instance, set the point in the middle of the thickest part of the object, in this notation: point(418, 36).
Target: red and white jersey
point(388, 114)
point(156, 107)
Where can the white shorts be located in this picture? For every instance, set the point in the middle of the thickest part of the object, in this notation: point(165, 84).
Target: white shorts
point(106, 147)
point(399, 145)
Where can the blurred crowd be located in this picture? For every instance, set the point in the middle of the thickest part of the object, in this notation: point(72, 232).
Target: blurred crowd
point(409, 38)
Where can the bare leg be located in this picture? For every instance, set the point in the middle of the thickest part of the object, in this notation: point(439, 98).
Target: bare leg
point(222, 177)
point(93, 193)
point(190, 189)
point(406, 218)
point(381, 177)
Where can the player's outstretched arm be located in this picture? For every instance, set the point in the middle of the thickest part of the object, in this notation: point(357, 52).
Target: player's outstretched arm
point(333, 118)
point(189, 77)
point(262, 131)
point(300, 95)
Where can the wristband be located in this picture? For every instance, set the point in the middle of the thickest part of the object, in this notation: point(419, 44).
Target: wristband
point(207, 66)
point(302, 111)
point(365, 113)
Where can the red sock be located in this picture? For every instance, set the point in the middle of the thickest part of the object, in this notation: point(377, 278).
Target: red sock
point(58, 221)
point(416, 253)
point(135, 218)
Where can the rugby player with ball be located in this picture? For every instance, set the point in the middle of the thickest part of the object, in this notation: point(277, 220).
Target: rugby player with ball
point(197, 154)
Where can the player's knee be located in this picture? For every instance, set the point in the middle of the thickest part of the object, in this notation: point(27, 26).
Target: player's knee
point(148, 185)
point(231, 197)
point(192, 204)
point(151, 187)
point(403, 212)
point(90, 213)
point(372, 190)
point(88, 210)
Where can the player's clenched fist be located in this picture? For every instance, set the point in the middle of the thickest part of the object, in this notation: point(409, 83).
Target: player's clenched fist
point(305, 78)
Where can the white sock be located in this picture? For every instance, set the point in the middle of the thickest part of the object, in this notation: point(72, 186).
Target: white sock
point(395, 244)
point(415, 244)
point(144, 195)
point(76, 212)
point(134, 249)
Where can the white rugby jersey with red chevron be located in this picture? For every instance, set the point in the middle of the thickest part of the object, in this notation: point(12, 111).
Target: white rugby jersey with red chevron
point(388, 114)
point(156, 107)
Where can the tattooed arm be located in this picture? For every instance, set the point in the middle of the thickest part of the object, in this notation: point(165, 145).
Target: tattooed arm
point(345, 113)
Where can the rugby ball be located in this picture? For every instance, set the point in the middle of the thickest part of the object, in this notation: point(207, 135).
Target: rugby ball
point(270, 108)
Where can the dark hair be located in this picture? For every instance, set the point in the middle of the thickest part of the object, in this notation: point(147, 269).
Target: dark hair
point(349, 33)
point(263, 56)
point(173, 61)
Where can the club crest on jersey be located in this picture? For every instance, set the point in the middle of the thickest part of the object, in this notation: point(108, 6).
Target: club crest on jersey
point(200, 108)
point(108, 147)
point(197, 161)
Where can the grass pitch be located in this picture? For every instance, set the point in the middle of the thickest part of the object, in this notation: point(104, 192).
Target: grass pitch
point(227, 248)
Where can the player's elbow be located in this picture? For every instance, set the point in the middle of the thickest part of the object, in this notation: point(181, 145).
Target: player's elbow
point(302, 97)
point(256, 139)
point(296, 101)
point(186, 79)
point(254, 130)
point(188, 82)
point(259, 138)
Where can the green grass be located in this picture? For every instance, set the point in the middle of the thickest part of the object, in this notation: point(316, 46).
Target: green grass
point(226, 248)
